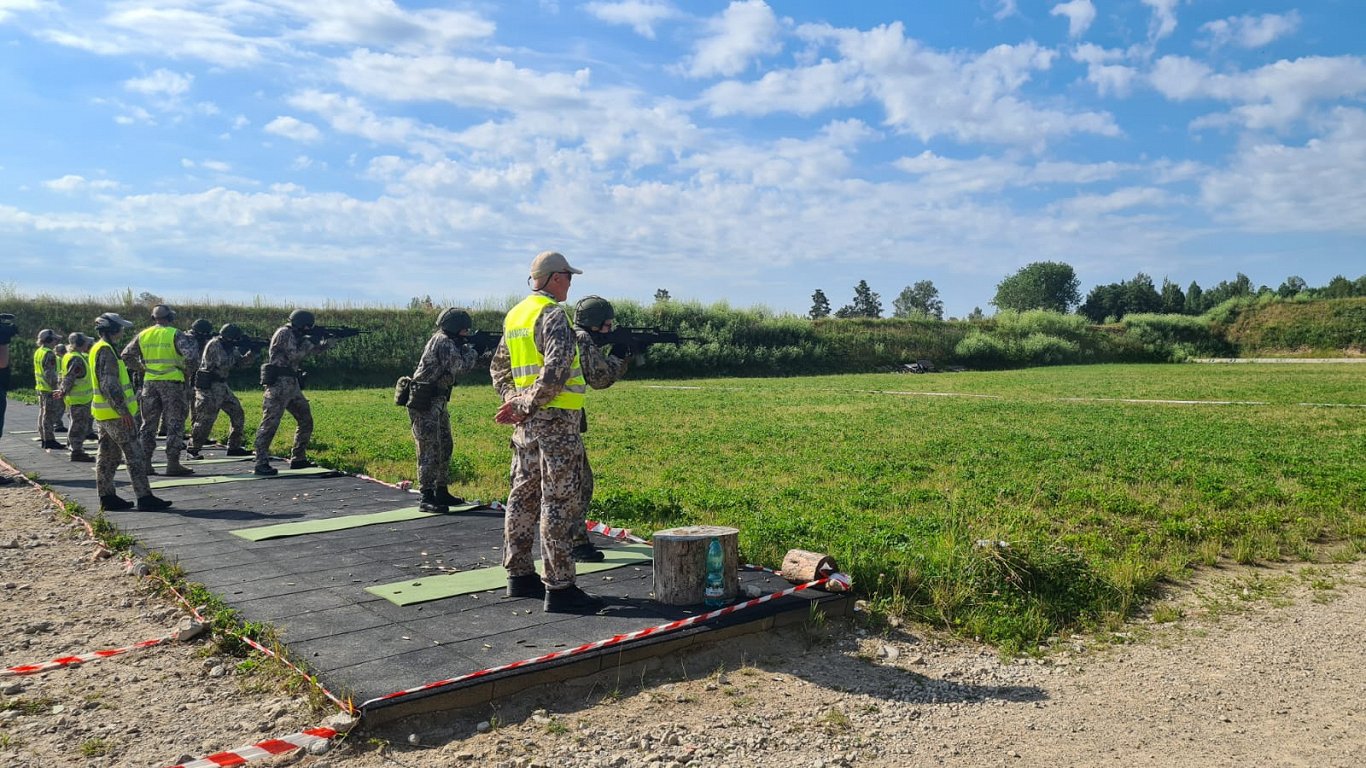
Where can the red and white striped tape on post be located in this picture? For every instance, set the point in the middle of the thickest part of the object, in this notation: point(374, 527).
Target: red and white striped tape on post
point(837, 582)
point(262, 749)
point(71, 661)
point(618, 534)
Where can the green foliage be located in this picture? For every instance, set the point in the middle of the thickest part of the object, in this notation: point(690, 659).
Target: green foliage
point(1175, 337)
point(1042, 285)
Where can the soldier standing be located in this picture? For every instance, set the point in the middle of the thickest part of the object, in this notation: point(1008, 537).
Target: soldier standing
point(213, 394)
point(281, 378)
point(445, 357)
point(536, 372)
point(60, 350)
point(77, 390)
point(201, 331)
point(114, 407)
point(45, 382)
point(593, 314)
point(162, 352)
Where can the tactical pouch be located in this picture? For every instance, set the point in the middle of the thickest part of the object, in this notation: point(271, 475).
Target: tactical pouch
point(269, 374)
point(402, 390)
point(421, 394)
point(204, 381)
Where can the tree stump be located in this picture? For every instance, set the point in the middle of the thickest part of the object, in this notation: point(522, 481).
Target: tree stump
point(801, 566)
point(680, 556)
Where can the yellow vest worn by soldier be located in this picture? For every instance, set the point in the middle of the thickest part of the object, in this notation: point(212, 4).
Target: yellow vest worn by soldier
point(39, 355)
point(159, 354)
point(519, 329)
point(99, 406)
point(81, 391)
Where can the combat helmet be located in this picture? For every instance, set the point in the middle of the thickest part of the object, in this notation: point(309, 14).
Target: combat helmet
point(593, 312)
point(300, 319)
point(453, 320)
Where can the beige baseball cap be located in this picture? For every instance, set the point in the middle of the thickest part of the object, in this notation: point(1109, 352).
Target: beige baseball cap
point(550, 262)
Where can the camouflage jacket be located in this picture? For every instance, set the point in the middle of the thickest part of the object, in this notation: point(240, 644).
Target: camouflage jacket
point(443, 359)
point(219, 359)
point(287, 349)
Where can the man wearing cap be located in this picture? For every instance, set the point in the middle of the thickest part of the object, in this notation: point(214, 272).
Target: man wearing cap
point(114, 406)
point(447, 355)
point(77, 390)
point(536, 372)
point(213, 394)
point(593, 314)
point(281, 378)
point(45, 382)
point(162, 352)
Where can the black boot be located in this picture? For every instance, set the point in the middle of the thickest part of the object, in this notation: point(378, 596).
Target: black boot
point(266, 469)
point(53, 445)
point(587, 553)
point(430, 503)
point(238, 452)
point(150, 503)
point(59, 428)
point(301, 464)
point(529, 585)
point(193, 454)
point(112, 503)
point(443, 496)
point(82, 457)
point(571, 599)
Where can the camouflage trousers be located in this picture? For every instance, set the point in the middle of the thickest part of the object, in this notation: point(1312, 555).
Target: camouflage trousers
point(284, 395)
point(158, 399)
point(547, 479)
point(578, 529)
point(119, 443)
point(49, 416)
point(82, 424)
point(432, 433)
point(189, 403)
point(207, 404)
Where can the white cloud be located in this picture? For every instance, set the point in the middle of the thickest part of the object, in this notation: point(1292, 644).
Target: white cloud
point(162, 82)
point(381, 23)
point(217, 166)
point(1316, 187)
point(1079, 13)
point(293, 128)
point(71, 183)
point(945, 178)
point(1005, 9)
point(803, 91)
point(1163, 21)
point(240, 122)
point(11, 8)
point(1251, 31)
point(1090, 206)
point(744, 31)
point(1274, 96)
point(1109, 79)
point(639, 15)
point(468, 82)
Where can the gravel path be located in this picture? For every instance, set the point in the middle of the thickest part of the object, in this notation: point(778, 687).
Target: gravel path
point(1263, 668)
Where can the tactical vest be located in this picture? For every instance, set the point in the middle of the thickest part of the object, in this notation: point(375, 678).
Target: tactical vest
point(100, 407)
point(39, 355)
point(519, 329)
point(81, 391)
point(159, 354)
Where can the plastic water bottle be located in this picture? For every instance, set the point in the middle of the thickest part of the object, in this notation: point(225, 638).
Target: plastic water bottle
point(714, 592)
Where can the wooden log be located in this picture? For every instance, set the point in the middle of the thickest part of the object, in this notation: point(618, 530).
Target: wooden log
point(801, 566)
point(680, 558)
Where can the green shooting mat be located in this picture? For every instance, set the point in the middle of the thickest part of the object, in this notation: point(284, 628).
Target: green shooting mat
point(192, 463)
point(452, 584)
point(340, 523)
point(181, 482)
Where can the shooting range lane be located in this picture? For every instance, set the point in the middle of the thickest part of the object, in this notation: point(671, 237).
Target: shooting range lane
point(316, 588)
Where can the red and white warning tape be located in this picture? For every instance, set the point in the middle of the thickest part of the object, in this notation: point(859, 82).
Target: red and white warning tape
point(837, 582)
point(262, 749)
point(71, 661)
point(618, 534)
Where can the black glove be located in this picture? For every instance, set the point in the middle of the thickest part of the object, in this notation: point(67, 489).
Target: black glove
point(621, 351)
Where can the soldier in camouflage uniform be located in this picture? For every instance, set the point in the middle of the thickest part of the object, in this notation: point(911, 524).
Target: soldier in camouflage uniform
point(445, 357)
point(76, 391)
point(212, 393)
point(536, 371)
point(162, 353)
point(201, 330)
point(115, 407)
point(593, 314)
point(45, 382)
point(60, 427)
point(284, 391)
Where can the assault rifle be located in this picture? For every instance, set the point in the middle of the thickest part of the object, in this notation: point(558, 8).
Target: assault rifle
point(482, 341)
point(245, 344)
point(321, 332)
point(636, 340)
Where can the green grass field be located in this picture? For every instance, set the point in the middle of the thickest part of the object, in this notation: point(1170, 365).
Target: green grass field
point(1099, 500)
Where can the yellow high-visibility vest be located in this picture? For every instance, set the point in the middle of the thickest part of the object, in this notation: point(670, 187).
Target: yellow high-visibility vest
point(81, 391)
point(519, 329)
point(99, 406)
point(39, 355)
point(159, 354)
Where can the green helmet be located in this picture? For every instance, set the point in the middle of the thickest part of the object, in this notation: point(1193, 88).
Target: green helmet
point(230, 332)
point(453, 320)
point(301, 319)
point(593, 311)
point(201, 327)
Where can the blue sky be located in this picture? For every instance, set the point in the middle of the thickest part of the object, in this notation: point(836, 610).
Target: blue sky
point(747, 152)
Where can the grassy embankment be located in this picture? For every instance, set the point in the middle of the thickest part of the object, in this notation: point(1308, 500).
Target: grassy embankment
point(1099, 500)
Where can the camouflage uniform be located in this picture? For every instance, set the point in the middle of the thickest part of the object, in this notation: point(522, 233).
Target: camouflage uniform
point(600, 371)
point(82, 423)
point(200, 344)
point(443, 359)
point(160, 398)
point(287, 350)
point(49, 407)
point(547, 457)
point(117, 443)
point(217, 361)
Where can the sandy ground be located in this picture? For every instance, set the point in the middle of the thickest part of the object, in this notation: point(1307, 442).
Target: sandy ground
point(1260, 667)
